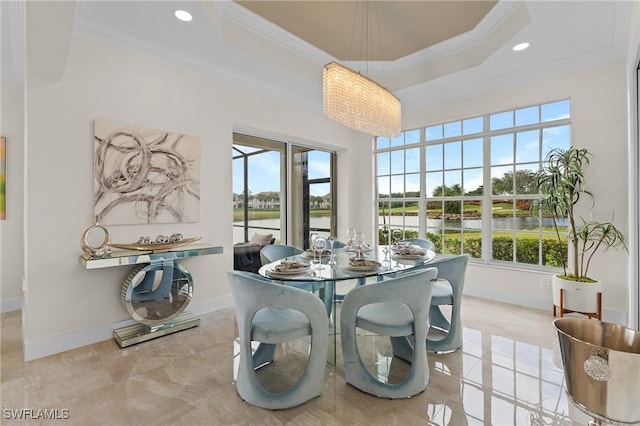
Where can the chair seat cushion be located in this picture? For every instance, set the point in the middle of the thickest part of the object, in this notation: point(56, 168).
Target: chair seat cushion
point(442, 293)
point(275, 325)
point(390, 319)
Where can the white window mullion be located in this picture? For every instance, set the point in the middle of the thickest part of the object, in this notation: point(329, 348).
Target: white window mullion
point(486, 199)
point(422, 202)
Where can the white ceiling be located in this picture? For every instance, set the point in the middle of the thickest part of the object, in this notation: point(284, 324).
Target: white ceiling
point(372, 30)
point(228, 42)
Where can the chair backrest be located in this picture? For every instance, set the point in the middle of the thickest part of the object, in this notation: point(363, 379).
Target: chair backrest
point(452, 269)
point(338, 244)
point(425, 244)
point(251, 292)
point(274, 252)
point(412, 289)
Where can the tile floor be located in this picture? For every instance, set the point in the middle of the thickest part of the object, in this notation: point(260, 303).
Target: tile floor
point(506, 374)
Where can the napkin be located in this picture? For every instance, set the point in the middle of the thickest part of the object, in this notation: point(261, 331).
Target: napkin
point(364, 262)
point(412, 250)
point(309, 253)
point(290, 265)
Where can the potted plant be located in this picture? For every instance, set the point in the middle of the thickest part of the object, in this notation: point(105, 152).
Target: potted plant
point(561, 182)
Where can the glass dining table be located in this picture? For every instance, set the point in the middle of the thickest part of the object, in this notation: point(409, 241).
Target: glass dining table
point(331, 277)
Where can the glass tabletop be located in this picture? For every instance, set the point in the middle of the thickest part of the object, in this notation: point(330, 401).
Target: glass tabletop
point(377, 261)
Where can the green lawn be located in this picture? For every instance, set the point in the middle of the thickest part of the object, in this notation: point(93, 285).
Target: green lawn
point(254, 214)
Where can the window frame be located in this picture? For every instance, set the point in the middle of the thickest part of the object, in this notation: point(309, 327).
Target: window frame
point(452, 131)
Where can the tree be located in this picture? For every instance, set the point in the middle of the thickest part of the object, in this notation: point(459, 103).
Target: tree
point(478, 191)
point(447, 191)
point(525, 183)
point(452, 207)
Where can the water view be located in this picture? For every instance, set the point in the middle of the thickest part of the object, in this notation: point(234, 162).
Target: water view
point(521, 223)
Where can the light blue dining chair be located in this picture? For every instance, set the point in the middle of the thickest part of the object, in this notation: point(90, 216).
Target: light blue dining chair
point(274, 252)
point(448, 291)
point(338, 244)
point(398, 308)
point(270, 314)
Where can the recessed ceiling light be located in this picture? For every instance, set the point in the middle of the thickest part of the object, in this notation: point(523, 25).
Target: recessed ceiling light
point(183, 15)
point(520, 46)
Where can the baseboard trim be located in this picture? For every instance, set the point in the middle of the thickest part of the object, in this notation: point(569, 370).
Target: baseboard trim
point(10, 305)
point(53, 345)
point(543, 303)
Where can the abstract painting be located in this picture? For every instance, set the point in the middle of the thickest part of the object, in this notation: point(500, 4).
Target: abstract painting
point(144, 175)
point(3, 177)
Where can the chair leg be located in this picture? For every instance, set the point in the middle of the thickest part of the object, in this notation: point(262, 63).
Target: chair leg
point(403, 347)
point(308, 386)
point(453, 339)
point(265, 354)
point(437, 319)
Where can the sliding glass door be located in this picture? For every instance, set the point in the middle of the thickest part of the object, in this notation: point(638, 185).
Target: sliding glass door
point(313, 195)
point(282, 189)
point(259, 188)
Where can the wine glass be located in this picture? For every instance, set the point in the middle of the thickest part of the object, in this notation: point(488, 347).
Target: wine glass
point(312, 240)
point(396, 235)
point(351, 234)
point(319, 244)
point(332, 259)
point(359, 241)
point(385, 235)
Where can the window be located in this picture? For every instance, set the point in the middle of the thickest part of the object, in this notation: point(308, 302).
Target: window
point(468, 185)
point(282, 189)
point(258, 183)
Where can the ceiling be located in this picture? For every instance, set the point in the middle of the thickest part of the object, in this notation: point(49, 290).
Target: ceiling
point(377, 30)
point(432, 51)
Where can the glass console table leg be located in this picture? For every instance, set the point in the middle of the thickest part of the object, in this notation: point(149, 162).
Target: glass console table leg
point(155, 295)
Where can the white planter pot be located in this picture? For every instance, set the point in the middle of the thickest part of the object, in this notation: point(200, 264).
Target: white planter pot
point(578, 296)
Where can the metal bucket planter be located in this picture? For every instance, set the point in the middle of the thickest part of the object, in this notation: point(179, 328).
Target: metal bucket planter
point(602, 368)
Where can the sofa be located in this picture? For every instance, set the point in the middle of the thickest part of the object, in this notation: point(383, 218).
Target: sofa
point(246, 256)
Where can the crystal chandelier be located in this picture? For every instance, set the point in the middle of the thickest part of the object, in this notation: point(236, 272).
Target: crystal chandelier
point(359, 102)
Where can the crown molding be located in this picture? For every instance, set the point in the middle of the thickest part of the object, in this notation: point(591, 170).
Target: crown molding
point(463, 85)
point(255, 23)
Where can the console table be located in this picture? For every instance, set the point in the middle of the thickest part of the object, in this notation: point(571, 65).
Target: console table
point(156, 292)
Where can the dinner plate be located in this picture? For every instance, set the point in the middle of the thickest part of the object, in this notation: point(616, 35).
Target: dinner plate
point(367, 249)
point(409, 256)
point(372, 266)
point(288, 272)
point(309, 254)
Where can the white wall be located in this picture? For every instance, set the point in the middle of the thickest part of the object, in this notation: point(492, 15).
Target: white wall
point(11, 249)
point(66, 305)
point(599, 123)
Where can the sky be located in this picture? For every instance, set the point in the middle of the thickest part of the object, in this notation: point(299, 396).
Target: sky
point(264, 172)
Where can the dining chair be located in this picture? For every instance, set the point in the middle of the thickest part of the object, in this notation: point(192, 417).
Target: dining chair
point(398, 308)
point(270, 314)
point(274, 252)
point(338, 244)
point(447, 291)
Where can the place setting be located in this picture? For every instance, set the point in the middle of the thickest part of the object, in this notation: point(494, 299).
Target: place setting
point(312, 253)
point(289, 269)
point(408, 251)
point(362, 265)
point(360, 250)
